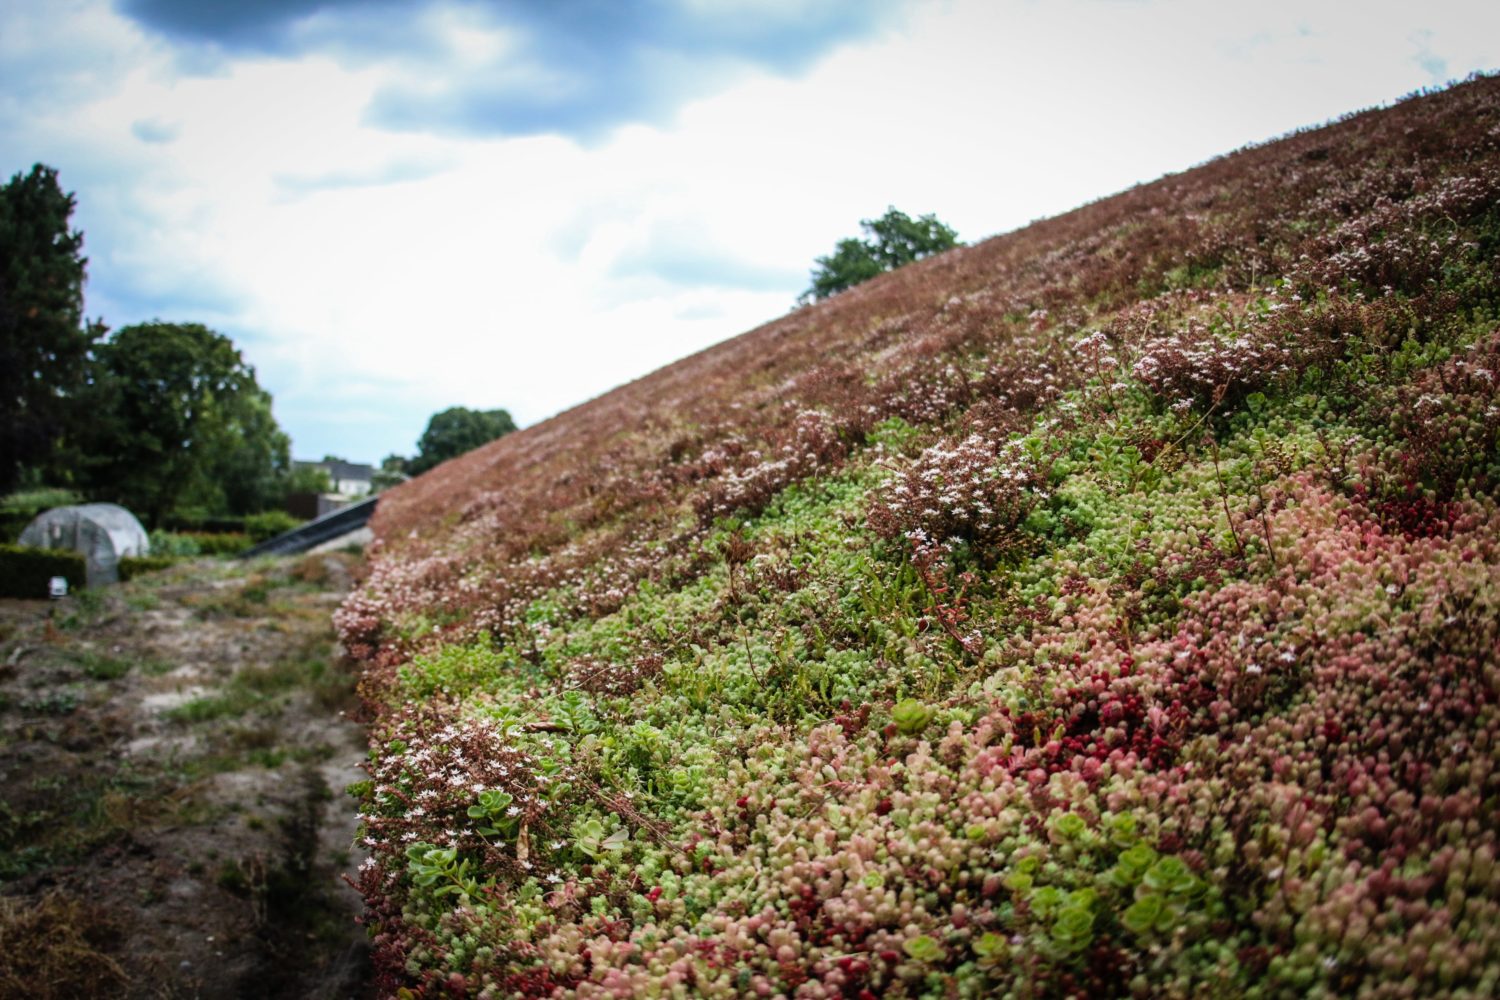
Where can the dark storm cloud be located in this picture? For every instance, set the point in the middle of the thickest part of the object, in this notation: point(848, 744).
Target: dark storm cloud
point(570, 67)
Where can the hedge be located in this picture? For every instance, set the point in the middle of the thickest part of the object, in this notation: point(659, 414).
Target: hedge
point(12, 523)
point(199, 543)
point(220, 543)
point(18, 509)
point(259, 527)
point(25, 572)
point(133, 566)
point(192, 522)
point(270, 524)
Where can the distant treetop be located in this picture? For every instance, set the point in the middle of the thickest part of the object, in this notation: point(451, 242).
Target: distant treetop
point(893, 239)
point(456, 430)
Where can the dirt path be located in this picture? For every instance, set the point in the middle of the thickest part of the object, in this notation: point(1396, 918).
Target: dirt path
point(173, 758)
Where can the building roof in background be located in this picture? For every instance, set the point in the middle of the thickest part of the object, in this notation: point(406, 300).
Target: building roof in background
point(340, 469)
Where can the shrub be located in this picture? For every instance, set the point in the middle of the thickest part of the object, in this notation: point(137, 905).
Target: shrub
point(269, 524)
point(25, 571)
point(133, 566)
point(17, 509)
point(220, 543)
point(187, 521)
point(58, 946)
point(199, 543)
point(33, 502)
point(170, 543)
point(973, 490)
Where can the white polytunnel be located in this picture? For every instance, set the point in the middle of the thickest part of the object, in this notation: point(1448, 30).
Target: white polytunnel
point(103, 533)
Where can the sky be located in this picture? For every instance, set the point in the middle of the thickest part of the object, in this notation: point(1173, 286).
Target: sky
point(397, 206)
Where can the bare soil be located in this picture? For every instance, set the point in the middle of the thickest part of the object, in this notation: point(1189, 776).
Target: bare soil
point(173, 758)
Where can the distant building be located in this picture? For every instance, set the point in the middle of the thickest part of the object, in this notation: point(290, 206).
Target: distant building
point(349, 479)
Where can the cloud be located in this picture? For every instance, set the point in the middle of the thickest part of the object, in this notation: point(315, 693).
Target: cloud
point(529, 67)
point(680, 253)
point(124, 288)
point(262, 26)
point(38, 70)
point(397, 171)
point(580, 70)
point(155, 131)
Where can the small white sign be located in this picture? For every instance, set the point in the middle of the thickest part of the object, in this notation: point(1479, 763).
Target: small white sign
point(57, 586)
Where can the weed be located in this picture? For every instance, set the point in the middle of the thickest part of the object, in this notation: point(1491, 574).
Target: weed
point(58, 947)
point(153, 667)
point(85, 607)
point(104, 668)
point(232, 704)
point(56, 702)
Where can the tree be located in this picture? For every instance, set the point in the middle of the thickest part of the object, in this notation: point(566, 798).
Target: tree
point(393, 470)
point(44, 343)
point(183, 424)
point(455, 431)
point(852, 262)
point(894, 239)
point(307, 479)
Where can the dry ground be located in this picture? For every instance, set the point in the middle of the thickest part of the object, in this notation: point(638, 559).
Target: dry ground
point(173, 758)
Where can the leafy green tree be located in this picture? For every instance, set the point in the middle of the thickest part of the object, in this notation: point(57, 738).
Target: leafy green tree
point(899, 239)
point(852, 261)
point(44, 343)
point(393, 469)
point(308, 479)
point(455, 431)
point(892, 240)
point(183, 424)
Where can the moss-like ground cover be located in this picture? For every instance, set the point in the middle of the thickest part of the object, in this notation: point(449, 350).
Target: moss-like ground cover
point(1112, 608)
